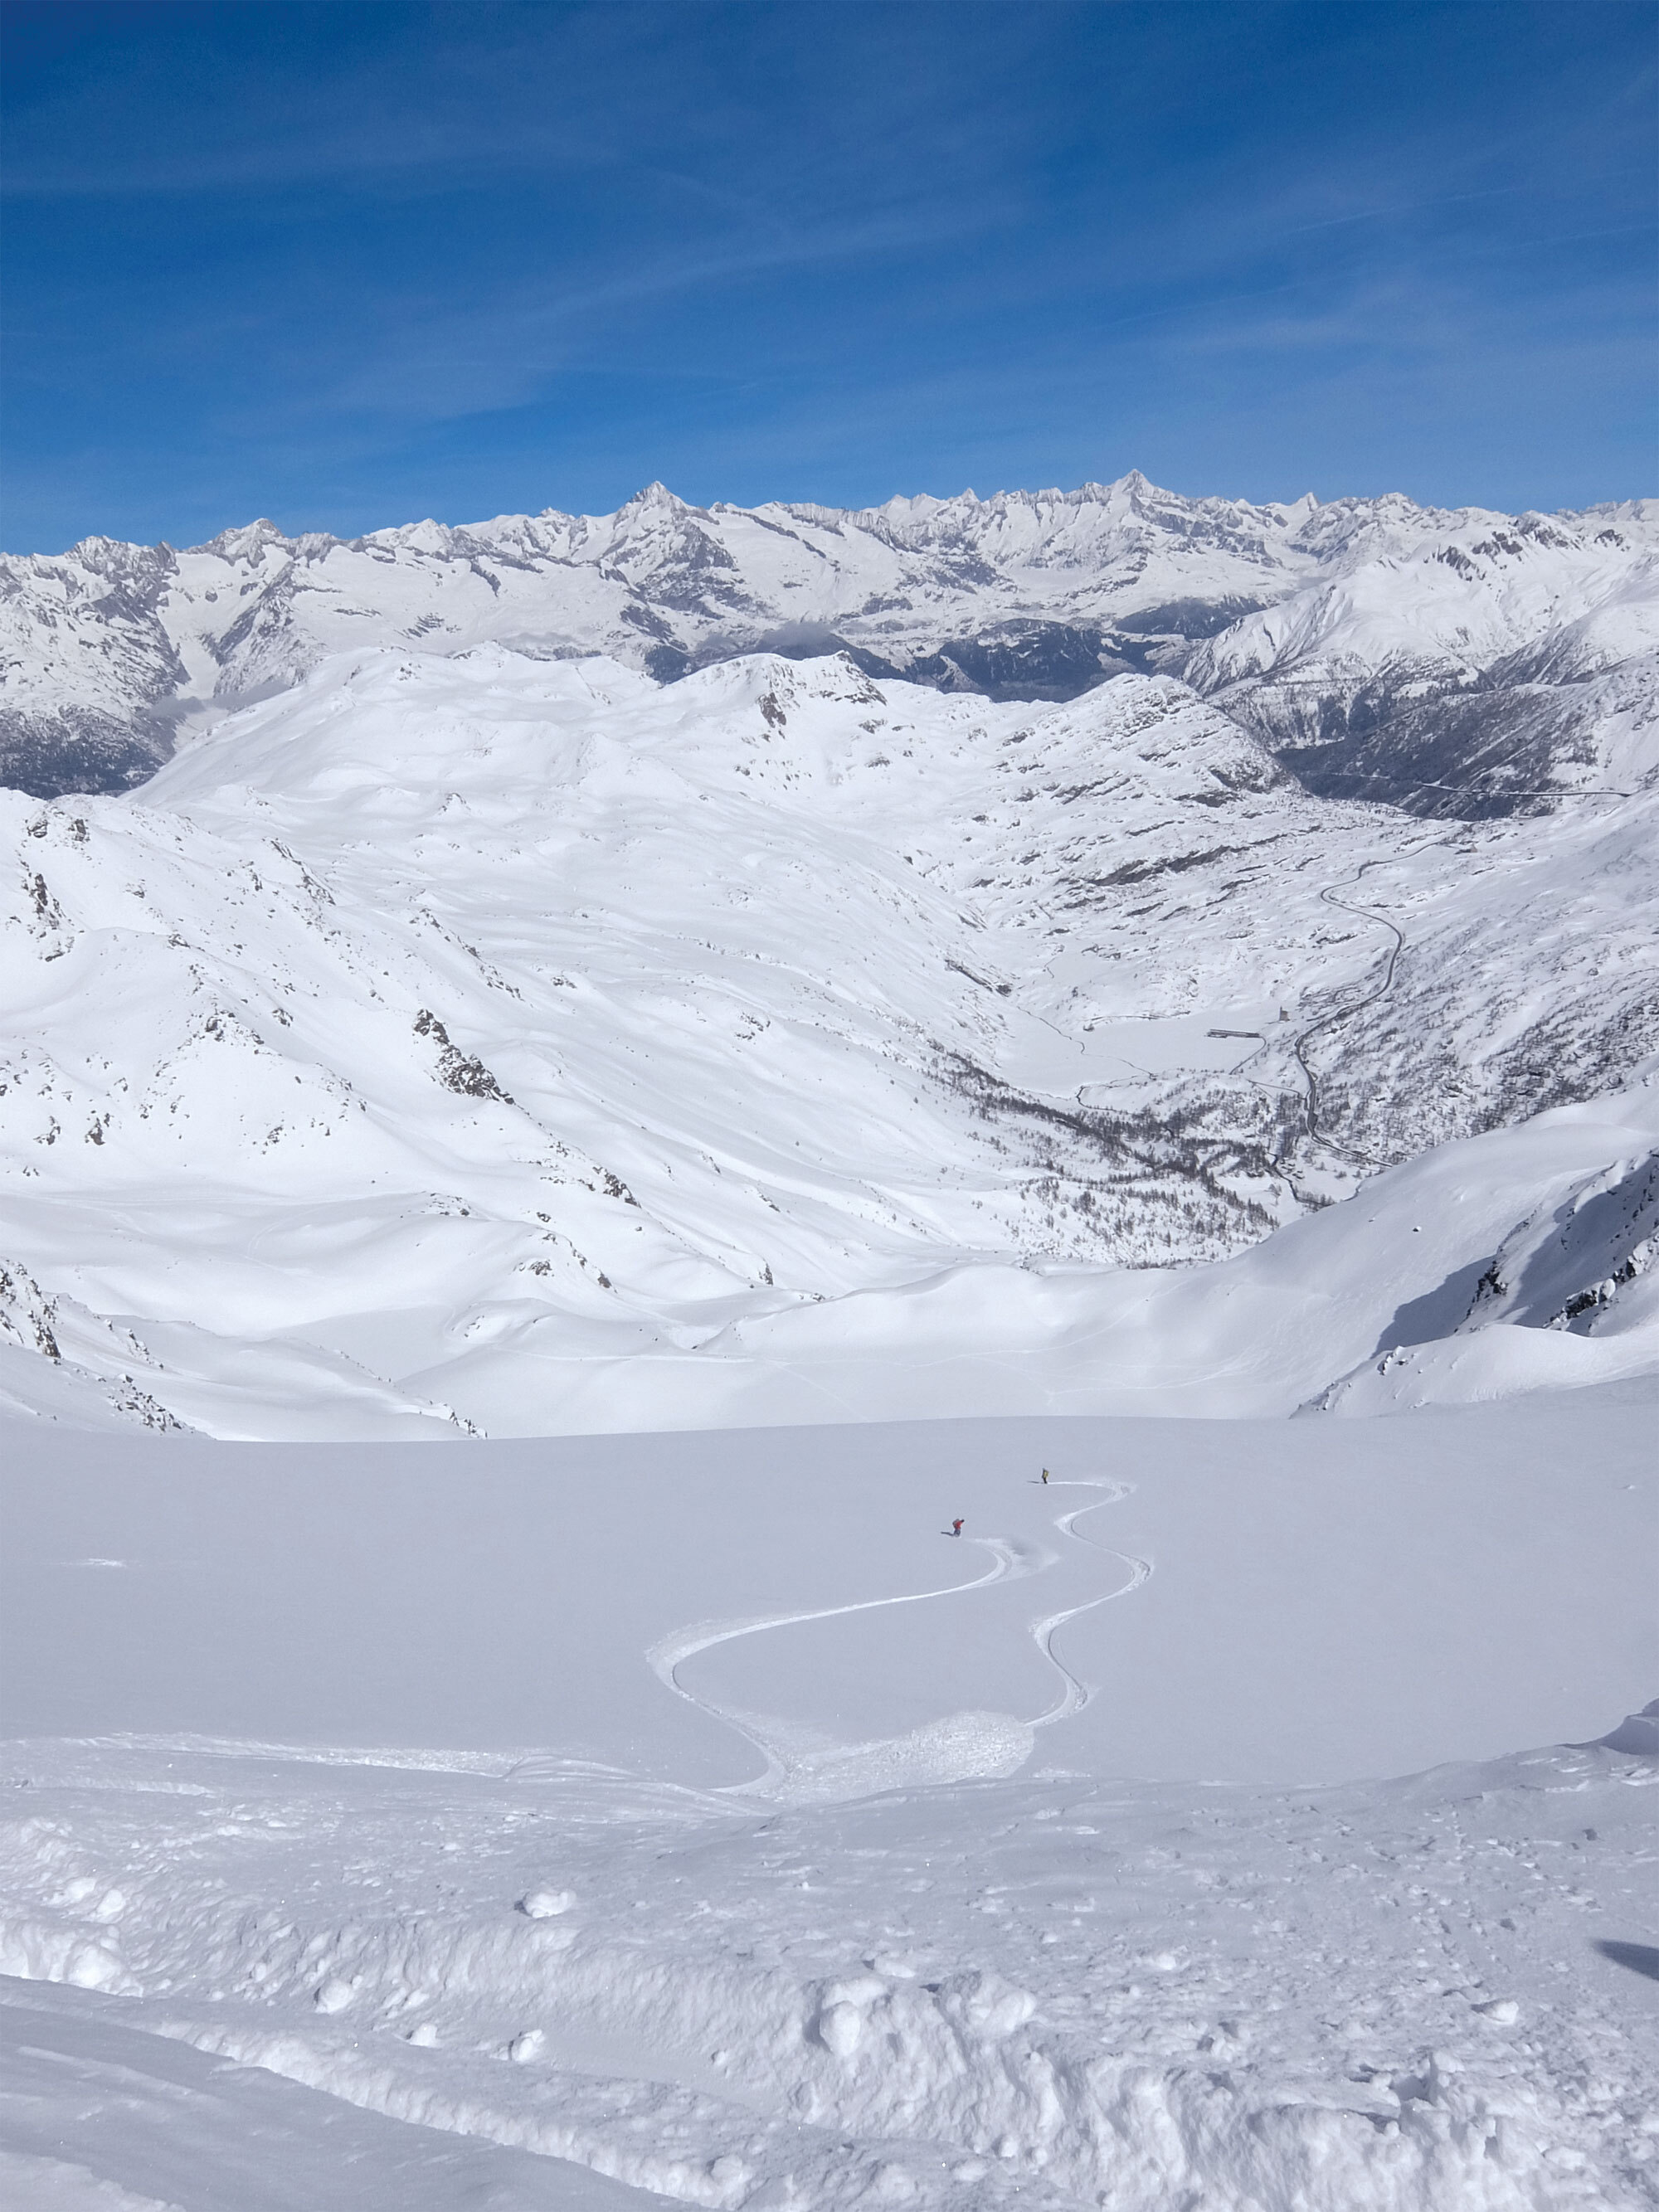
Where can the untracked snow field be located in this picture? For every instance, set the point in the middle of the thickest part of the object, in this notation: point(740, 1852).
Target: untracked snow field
point(690, 1817)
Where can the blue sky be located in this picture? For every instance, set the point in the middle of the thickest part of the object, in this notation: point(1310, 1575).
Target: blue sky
point(351, 263)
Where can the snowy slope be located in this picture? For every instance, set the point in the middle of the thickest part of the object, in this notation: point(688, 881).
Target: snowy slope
point(476, 1040)
point(1569, 1296)
point(910, 1896)
point(106, 651)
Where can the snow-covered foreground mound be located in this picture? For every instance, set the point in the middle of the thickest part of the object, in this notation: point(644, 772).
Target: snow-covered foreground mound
point(783, 1855)
point(475, 1043)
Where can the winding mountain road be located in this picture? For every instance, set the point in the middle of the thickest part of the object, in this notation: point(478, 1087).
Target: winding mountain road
point(1350, 1005)
point(1354, 1006)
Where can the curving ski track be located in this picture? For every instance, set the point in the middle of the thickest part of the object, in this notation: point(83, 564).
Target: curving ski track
point(1077, 1693)
point(1011, 1562)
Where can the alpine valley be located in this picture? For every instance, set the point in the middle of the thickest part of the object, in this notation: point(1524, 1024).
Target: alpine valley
point(677, 1099)
point(1092, 952)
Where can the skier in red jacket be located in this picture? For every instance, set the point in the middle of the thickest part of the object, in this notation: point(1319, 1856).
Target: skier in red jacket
point(956, 1526)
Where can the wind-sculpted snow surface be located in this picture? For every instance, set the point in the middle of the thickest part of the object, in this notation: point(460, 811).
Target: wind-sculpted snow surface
point(1049, 1994)
point(482, 1043)
point(1458, 662)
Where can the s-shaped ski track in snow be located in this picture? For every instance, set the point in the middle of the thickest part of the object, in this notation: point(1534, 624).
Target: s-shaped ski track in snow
point(1077, 1693)
point(667, 1658)
point(1011, 1562)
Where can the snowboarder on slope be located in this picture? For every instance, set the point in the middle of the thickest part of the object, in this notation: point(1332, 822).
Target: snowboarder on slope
point(956, 1526)
point(1045, 1478)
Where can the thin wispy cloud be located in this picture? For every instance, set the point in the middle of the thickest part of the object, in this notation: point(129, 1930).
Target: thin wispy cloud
point(349, 264)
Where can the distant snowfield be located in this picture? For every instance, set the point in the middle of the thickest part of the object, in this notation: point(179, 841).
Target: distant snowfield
point(1328, 1599)
point(477, 1043)
point(737, 1834)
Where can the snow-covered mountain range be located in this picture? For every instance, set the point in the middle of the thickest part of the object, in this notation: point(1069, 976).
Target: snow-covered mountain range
point(465, 1038)
point(1167, 959)
point(1456, 662)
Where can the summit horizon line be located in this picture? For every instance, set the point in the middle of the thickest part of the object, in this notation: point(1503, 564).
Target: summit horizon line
point(914, 506)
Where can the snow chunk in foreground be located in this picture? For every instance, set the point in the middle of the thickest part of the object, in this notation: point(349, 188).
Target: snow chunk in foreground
point(546, 1903)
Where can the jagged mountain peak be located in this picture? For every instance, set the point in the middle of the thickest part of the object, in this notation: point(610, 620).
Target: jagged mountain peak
point(100, 561)
point(246, 541)
point(656, 494)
